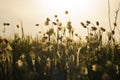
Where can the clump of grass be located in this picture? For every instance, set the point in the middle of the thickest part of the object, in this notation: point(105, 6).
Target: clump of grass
point(57, 55)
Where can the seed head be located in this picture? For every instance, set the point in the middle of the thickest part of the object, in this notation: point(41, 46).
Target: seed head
point(91, 34)
point(17, 26)
point(37, 25)
point(48, 19)
point(54, 23)
point(88, 22)
point(83, 25)
point(94, 28)
point(55, 16)
point(113, 32)
point(59, 27)
point(59, 24)
point(66, 12)
point(115, 24)
point(76, 34)
point(102, 29)
point(57, 20)
point(97, 23)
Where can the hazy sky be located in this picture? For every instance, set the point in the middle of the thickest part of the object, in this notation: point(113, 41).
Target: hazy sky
point(36, 11)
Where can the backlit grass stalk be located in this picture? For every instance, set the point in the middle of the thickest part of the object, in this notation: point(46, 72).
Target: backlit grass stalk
point(109, 15)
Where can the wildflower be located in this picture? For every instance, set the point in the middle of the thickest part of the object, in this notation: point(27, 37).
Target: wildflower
point(94, 67)
point(102, 29)
point(22, 56)
point(94, 28)
point(97, 23)
point(108, 63)
point(83, 25)
point(9, 48)
point(33, 61)
point(69, 26)
point(59, 24)
point(84, 70)
point(66, 12)
point(19, 63)
point(47, 21)
point(59, 27)
point(50, 32)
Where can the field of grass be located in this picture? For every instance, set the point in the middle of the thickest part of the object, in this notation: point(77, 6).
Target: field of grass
point(55, 55)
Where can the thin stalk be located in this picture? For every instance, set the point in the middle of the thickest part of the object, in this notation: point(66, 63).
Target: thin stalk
point(109, 17)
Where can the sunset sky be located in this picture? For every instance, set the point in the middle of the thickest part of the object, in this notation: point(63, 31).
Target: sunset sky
point(32, 12)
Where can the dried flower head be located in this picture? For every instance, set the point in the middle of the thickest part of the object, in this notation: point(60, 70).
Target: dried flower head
point(37, 25)
point(59, 24)
point(94, 28)
point(54, 23)
point(69, 26)
point(55, 16)
point(7, 24)
point(76, 34)
point(114, 24)
point(66, 12)
point(88, 22)
point(91, 34)
point(97, 23)
point(17, 26)
point(45, 37)
point(47, 21)
point(113, 32)
point(102, 29)
point(83, 25)
point(57, 20)
point(50, 31)
point(59, 27)
point(19, 63)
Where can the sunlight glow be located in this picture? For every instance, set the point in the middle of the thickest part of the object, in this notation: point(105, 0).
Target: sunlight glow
point(78, 10)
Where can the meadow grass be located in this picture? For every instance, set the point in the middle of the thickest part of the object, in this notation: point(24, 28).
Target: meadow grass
point(57, 56)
